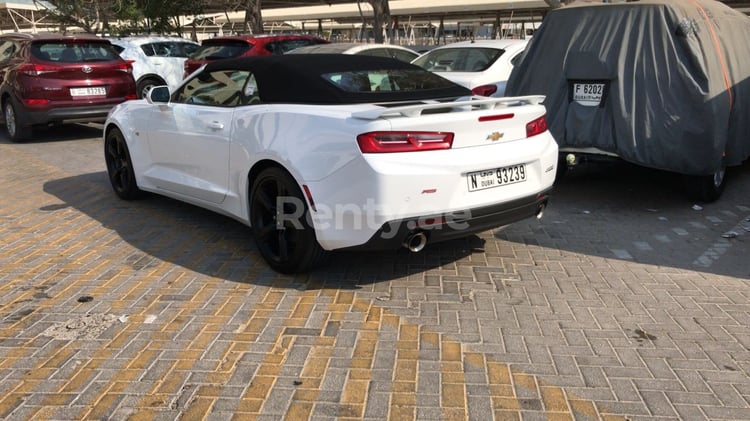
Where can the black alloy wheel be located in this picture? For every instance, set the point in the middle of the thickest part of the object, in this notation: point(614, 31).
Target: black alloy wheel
point(120, 166)
point(279, 219)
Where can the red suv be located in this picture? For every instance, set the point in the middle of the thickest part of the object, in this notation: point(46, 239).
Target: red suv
point(245, 46)
point(55, 78)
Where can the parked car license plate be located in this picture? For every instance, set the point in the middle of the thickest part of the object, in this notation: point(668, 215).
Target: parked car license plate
point(589, 94)
point(88, 91)
point(487, 179)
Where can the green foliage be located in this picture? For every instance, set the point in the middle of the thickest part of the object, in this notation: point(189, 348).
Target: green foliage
point(125, 16)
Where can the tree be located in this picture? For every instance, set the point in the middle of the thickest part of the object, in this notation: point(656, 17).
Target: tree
point(95, 16)
point(163, 16)
point(253, 16)
point(91, 16)
point(381, 19)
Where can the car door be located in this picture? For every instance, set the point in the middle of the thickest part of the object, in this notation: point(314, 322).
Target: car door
point(189, 138)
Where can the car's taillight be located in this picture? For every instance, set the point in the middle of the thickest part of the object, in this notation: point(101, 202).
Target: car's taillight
point(484, 90)
point(36, 69)
point(537, 126)
point(386, 142)
point(126, 67)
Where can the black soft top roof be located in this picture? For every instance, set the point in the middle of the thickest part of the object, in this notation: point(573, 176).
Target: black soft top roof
point(297, 78)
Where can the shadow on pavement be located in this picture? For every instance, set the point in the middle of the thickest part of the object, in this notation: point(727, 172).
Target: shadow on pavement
point(617, 212)
point(219, 246)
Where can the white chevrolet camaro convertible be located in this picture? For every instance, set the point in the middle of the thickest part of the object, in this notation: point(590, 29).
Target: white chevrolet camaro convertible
point(328, 152)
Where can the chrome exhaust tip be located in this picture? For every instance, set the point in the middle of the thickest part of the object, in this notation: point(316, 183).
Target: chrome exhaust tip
point(415, 242)
point(540, 210)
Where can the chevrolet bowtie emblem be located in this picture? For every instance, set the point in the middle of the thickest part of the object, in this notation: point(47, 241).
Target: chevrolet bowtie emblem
point(494, 136)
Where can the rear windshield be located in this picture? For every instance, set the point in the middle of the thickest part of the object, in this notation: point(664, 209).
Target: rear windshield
point(284, 46)
point(404, 80)
point(168, 49)
point(74, 52)
point(220, 50)
point(459, 59)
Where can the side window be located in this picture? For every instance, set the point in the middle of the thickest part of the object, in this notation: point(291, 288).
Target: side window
point(250, 91)
point(188, 49)
point(148, 49)
point(376, 52)
point(165, 49)
point(517, 59)
point(404, 55)
point(220, 88)
point(7, 48)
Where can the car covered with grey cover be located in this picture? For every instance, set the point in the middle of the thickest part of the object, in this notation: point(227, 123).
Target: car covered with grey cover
point(657, 83)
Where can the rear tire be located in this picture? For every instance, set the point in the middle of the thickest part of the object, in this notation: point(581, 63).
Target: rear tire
point(145, 85)
point(288, 245)
point(15, 124)
point(706, 188)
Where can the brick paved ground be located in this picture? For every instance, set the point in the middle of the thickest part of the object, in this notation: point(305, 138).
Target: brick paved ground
point(623, 303)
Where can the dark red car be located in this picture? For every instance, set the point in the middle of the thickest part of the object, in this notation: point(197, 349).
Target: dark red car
point(55, 78)
point(246, 45)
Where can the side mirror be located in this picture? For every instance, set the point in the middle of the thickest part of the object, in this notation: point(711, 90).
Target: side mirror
point(158, 94)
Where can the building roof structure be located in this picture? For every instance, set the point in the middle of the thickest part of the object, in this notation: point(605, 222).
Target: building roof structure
point(32, 15)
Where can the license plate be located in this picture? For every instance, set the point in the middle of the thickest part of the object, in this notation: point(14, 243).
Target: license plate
point(589, 94)
point(88, 91)
point(487, 179)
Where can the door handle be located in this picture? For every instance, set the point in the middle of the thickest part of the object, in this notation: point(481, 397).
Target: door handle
point(215, 125)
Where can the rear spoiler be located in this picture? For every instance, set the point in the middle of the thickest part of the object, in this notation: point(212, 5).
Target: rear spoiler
point(463, 104)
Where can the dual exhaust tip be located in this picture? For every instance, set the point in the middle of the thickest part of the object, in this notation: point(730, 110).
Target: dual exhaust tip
point(416, 241)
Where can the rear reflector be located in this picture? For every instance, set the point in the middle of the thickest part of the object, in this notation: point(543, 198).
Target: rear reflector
point(387, 142)
point(484, 90)
point(309, 197)
point(537, 126)
point(33, 102)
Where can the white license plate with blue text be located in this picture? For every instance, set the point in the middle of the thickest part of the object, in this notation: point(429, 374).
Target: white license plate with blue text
point(487, 179)
point(88, 91)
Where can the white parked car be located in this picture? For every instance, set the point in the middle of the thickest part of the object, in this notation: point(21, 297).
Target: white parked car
point(300, 148)
point(156, 60)
point(483, 66)
point(359, 48)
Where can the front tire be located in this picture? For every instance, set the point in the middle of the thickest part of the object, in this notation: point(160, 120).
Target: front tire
point(279, 220)
point(120, 166)
point(706, 188)
point(15, 125)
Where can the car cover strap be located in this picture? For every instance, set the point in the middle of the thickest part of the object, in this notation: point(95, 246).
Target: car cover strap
point(717, 46)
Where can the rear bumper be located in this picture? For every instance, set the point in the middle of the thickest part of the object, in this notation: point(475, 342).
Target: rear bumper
point(92, 113)
point(442, 227)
